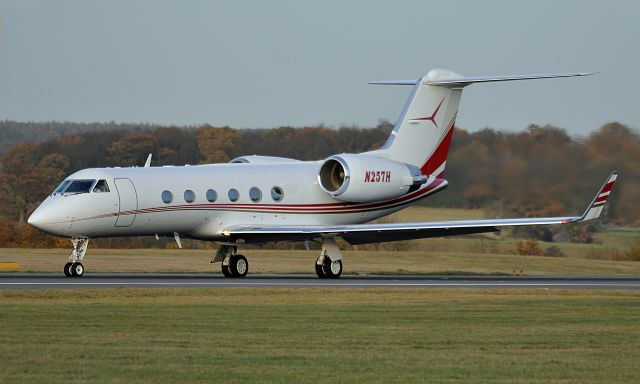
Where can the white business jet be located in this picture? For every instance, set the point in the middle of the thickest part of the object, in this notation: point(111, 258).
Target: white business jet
point(260, 199)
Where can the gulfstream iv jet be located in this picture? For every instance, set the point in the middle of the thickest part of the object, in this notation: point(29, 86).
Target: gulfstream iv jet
point(260, 199)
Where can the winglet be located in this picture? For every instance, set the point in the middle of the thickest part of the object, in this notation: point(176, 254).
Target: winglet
point(147, 163)
point(598, 202)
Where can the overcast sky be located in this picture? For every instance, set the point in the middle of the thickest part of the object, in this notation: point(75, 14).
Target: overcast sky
point(272, 63)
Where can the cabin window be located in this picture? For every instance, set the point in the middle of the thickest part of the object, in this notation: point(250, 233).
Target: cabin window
point(189, 196)
point(234, 195)
point(80, 186)
point(167, 197)
point(277, 193)
point(62, 186)
point(212, 195)
point(255, 194)
point(101, 186)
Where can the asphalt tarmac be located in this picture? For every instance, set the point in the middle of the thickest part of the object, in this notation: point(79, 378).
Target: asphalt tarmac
point(24, 281)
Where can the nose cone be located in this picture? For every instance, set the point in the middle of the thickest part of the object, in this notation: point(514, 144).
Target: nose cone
point(42, 218)
point(37, 218)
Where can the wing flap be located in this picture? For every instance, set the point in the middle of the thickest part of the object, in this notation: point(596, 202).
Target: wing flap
point(370, 237)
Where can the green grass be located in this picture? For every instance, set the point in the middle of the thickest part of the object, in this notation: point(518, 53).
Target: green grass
point(310, 335)
point(442, 256)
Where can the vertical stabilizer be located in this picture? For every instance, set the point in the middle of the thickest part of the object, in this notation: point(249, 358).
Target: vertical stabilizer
point(422, 134)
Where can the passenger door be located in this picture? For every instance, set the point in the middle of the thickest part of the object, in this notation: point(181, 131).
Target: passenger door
point(128, 202)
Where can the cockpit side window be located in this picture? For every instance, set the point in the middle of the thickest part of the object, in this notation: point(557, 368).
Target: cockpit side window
point(80, 186)
point(62, 186)
point(101, 186)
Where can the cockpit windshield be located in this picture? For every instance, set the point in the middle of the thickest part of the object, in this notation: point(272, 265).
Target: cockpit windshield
point(79, 186)
point(74, 187)
point(62, 186)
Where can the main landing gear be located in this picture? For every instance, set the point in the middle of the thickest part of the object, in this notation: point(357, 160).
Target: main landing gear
point(238, 266)
point(233, 265)
point(74, 267)
point(329, 264)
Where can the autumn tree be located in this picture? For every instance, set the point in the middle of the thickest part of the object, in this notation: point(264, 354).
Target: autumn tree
point(176, 146)
point(28, 176)
point(132, 149)
point(217, 145)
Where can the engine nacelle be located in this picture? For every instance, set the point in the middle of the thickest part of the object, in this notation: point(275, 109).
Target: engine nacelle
point(364, 178)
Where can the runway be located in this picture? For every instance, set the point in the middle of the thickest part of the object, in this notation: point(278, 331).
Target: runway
point(30, 281)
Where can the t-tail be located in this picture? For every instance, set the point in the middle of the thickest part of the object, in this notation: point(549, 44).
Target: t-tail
point(422, 135)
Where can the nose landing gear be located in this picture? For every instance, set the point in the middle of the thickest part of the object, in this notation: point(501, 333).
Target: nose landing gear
point(74, 267)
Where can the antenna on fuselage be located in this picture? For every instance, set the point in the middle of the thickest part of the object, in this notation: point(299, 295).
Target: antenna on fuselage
point(147, 163)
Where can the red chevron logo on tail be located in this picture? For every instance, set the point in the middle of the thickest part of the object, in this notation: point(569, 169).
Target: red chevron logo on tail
point(431, 118)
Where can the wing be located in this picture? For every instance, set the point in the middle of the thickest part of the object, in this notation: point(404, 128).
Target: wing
point(378, 233)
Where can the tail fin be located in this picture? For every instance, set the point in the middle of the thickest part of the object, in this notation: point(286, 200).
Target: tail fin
point(422, 135)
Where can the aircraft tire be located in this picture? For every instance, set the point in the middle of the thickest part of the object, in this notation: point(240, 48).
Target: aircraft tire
point(320, 270)
point(226, 271)
point(67, 269)
point(77, 269)
point(332, 269)
point(239, 266)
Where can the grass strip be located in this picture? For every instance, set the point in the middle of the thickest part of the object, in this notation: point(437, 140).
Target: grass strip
point(328, 335)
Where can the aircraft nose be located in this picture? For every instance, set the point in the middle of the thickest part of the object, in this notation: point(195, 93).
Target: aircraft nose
point(36, 218)
point(39, 218)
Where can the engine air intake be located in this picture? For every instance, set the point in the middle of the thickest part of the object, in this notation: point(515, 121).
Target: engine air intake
point(333, 175)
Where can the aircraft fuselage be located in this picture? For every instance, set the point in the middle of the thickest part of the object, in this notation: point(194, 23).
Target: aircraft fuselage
point(134, 205)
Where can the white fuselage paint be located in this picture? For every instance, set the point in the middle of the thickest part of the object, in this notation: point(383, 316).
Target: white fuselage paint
point(134, 206)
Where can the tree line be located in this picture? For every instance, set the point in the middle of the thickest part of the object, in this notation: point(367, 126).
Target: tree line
point(538, 171)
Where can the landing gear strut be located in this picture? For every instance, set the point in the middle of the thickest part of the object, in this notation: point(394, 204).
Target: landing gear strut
point(74, 267)
point(329, 264)
point(233, 265)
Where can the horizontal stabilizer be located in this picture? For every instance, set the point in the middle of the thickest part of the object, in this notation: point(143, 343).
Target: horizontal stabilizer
point(394, 82)
point(464, 81)
point(460, 81)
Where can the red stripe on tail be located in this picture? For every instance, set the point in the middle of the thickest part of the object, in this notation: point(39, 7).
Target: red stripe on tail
point(439, 156)
point(608, 187)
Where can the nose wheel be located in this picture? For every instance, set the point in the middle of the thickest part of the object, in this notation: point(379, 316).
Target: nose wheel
point(67, 269)
point(73, 269)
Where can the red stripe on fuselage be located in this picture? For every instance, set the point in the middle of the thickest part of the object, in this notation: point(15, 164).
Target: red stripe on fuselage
point(297, 208)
